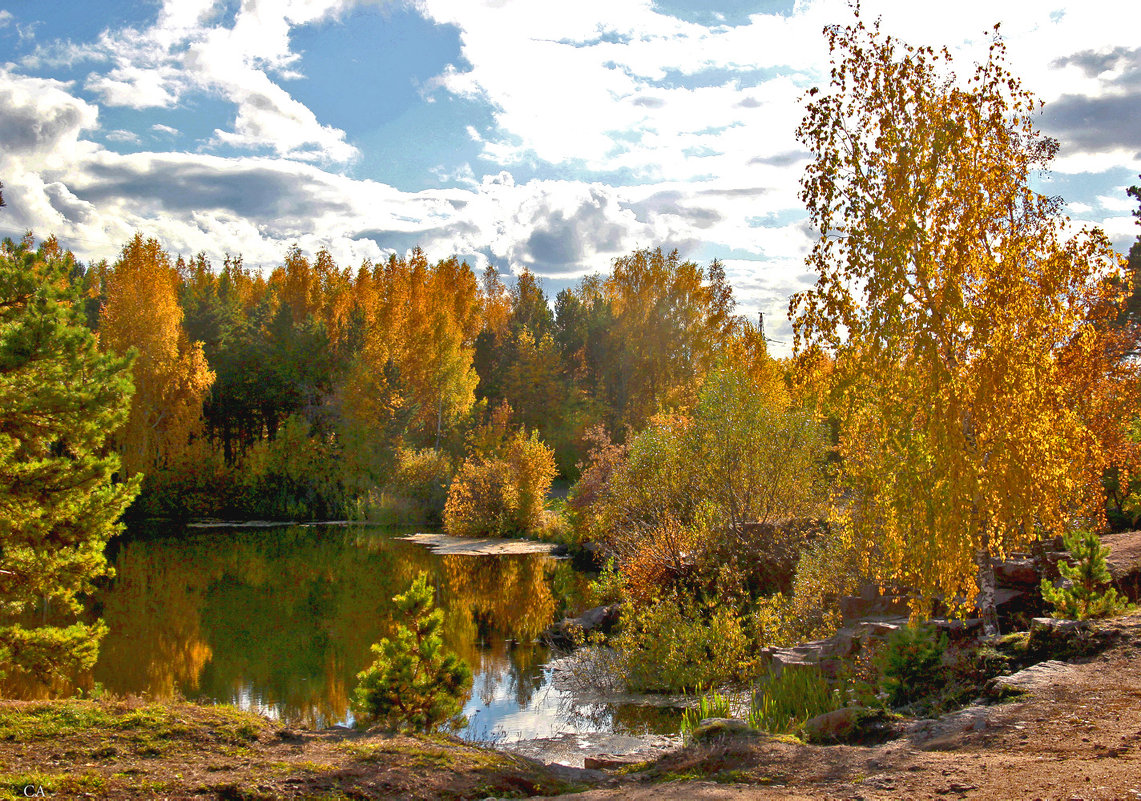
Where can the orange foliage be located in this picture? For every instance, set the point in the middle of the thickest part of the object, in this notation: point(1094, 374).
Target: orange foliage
point(170, 373)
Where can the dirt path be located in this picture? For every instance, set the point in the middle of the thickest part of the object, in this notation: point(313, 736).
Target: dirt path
point(1076, 736)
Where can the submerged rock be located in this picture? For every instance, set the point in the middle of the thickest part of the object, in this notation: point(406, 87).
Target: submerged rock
point(447, 545)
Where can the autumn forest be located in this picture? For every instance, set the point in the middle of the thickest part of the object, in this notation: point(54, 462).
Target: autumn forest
point(964, 386)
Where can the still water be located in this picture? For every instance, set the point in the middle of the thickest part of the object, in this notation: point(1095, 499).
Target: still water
point(280, 620)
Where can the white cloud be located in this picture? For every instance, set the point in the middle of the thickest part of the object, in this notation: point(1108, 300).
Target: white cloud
point(698, 121)
point(186, 50)
point(5, 18)
point(1119, 201)
point(582, 84)
point(120, 135)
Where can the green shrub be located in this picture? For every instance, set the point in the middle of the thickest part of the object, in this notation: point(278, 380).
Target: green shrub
point(414, 493)
point(709, 705)
point(678, 644)
point(1085, 596)
point(293, 476)
point(913, 664)
point(482, 500)
point(415, 682)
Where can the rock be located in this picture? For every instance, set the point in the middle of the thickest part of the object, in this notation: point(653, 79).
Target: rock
point(568, 773)
point(831, 727)
point(600, 618)
point(1124, 562)
point(719, 728)
point(1019, 573)
point(572, 631)
point(880, 629)
point(1032, 678)
point(851, 724)
point(947, 732)
point(831, 667)
point(958, 629)
point(854, 608)
point(611, 761)
point(1007, 596)
point(1060, 639)
point(782, 659)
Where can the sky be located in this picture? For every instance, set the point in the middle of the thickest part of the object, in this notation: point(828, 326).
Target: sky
point(521, 133)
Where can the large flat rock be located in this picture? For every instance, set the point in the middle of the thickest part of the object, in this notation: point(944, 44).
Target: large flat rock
point(572, 749)
point(1037, 676)
point(447, 545)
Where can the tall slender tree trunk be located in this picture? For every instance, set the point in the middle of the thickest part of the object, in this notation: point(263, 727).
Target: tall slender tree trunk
point(985, 600)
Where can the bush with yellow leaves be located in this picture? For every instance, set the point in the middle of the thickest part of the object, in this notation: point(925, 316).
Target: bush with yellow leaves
point(503, 492)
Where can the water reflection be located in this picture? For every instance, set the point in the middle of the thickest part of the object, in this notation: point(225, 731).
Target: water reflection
point(280, 621)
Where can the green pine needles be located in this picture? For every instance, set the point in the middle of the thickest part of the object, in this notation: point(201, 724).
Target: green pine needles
point(415, 683)
point(60, 399)
point(913, 664)
point(1084, 597)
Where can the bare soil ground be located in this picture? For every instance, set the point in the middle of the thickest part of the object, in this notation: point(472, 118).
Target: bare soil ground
point(128, 749)
point(1076, 735)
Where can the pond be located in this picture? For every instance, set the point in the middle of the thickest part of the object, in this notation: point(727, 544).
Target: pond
point(280, 620)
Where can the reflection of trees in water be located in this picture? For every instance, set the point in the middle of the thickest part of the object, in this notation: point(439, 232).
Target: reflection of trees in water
point(514, 667)
point(633, 719)
point(290, 613)
point(155, 643)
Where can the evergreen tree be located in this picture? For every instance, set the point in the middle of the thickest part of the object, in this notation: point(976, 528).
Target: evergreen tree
point(1084, 598)
point(60, 398)
point(415, 682)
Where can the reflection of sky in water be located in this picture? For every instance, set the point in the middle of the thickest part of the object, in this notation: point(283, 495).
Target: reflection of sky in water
point(497, 714)
point(509, 705)
point(498, 710)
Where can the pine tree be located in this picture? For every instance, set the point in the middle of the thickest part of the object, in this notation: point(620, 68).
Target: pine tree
point(415, 682)
point(1084, 597)
point(60, 398)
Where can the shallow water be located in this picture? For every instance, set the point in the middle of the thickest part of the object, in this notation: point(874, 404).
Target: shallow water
point(280, 620)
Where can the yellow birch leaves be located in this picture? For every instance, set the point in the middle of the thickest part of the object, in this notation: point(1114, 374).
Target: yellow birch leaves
point(953, 300)
point(170, 373)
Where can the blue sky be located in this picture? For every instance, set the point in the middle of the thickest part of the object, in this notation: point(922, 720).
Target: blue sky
point(515, 132)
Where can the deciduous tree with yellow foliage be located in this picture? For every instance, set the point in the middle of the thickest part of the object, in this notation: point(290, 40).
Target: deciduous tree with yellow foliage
point(962, 312)
point(171, 375)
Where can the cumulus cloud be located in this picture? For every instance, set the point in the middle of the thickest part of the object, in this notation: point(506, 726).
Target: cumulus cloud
point(188, 49)
point(1095, 124)
point(94, 198)
point(119, 135)
point(42, 121)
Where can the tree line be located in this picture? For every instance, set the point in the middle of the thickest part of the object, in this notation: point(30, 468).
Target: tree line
point(293, 392)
